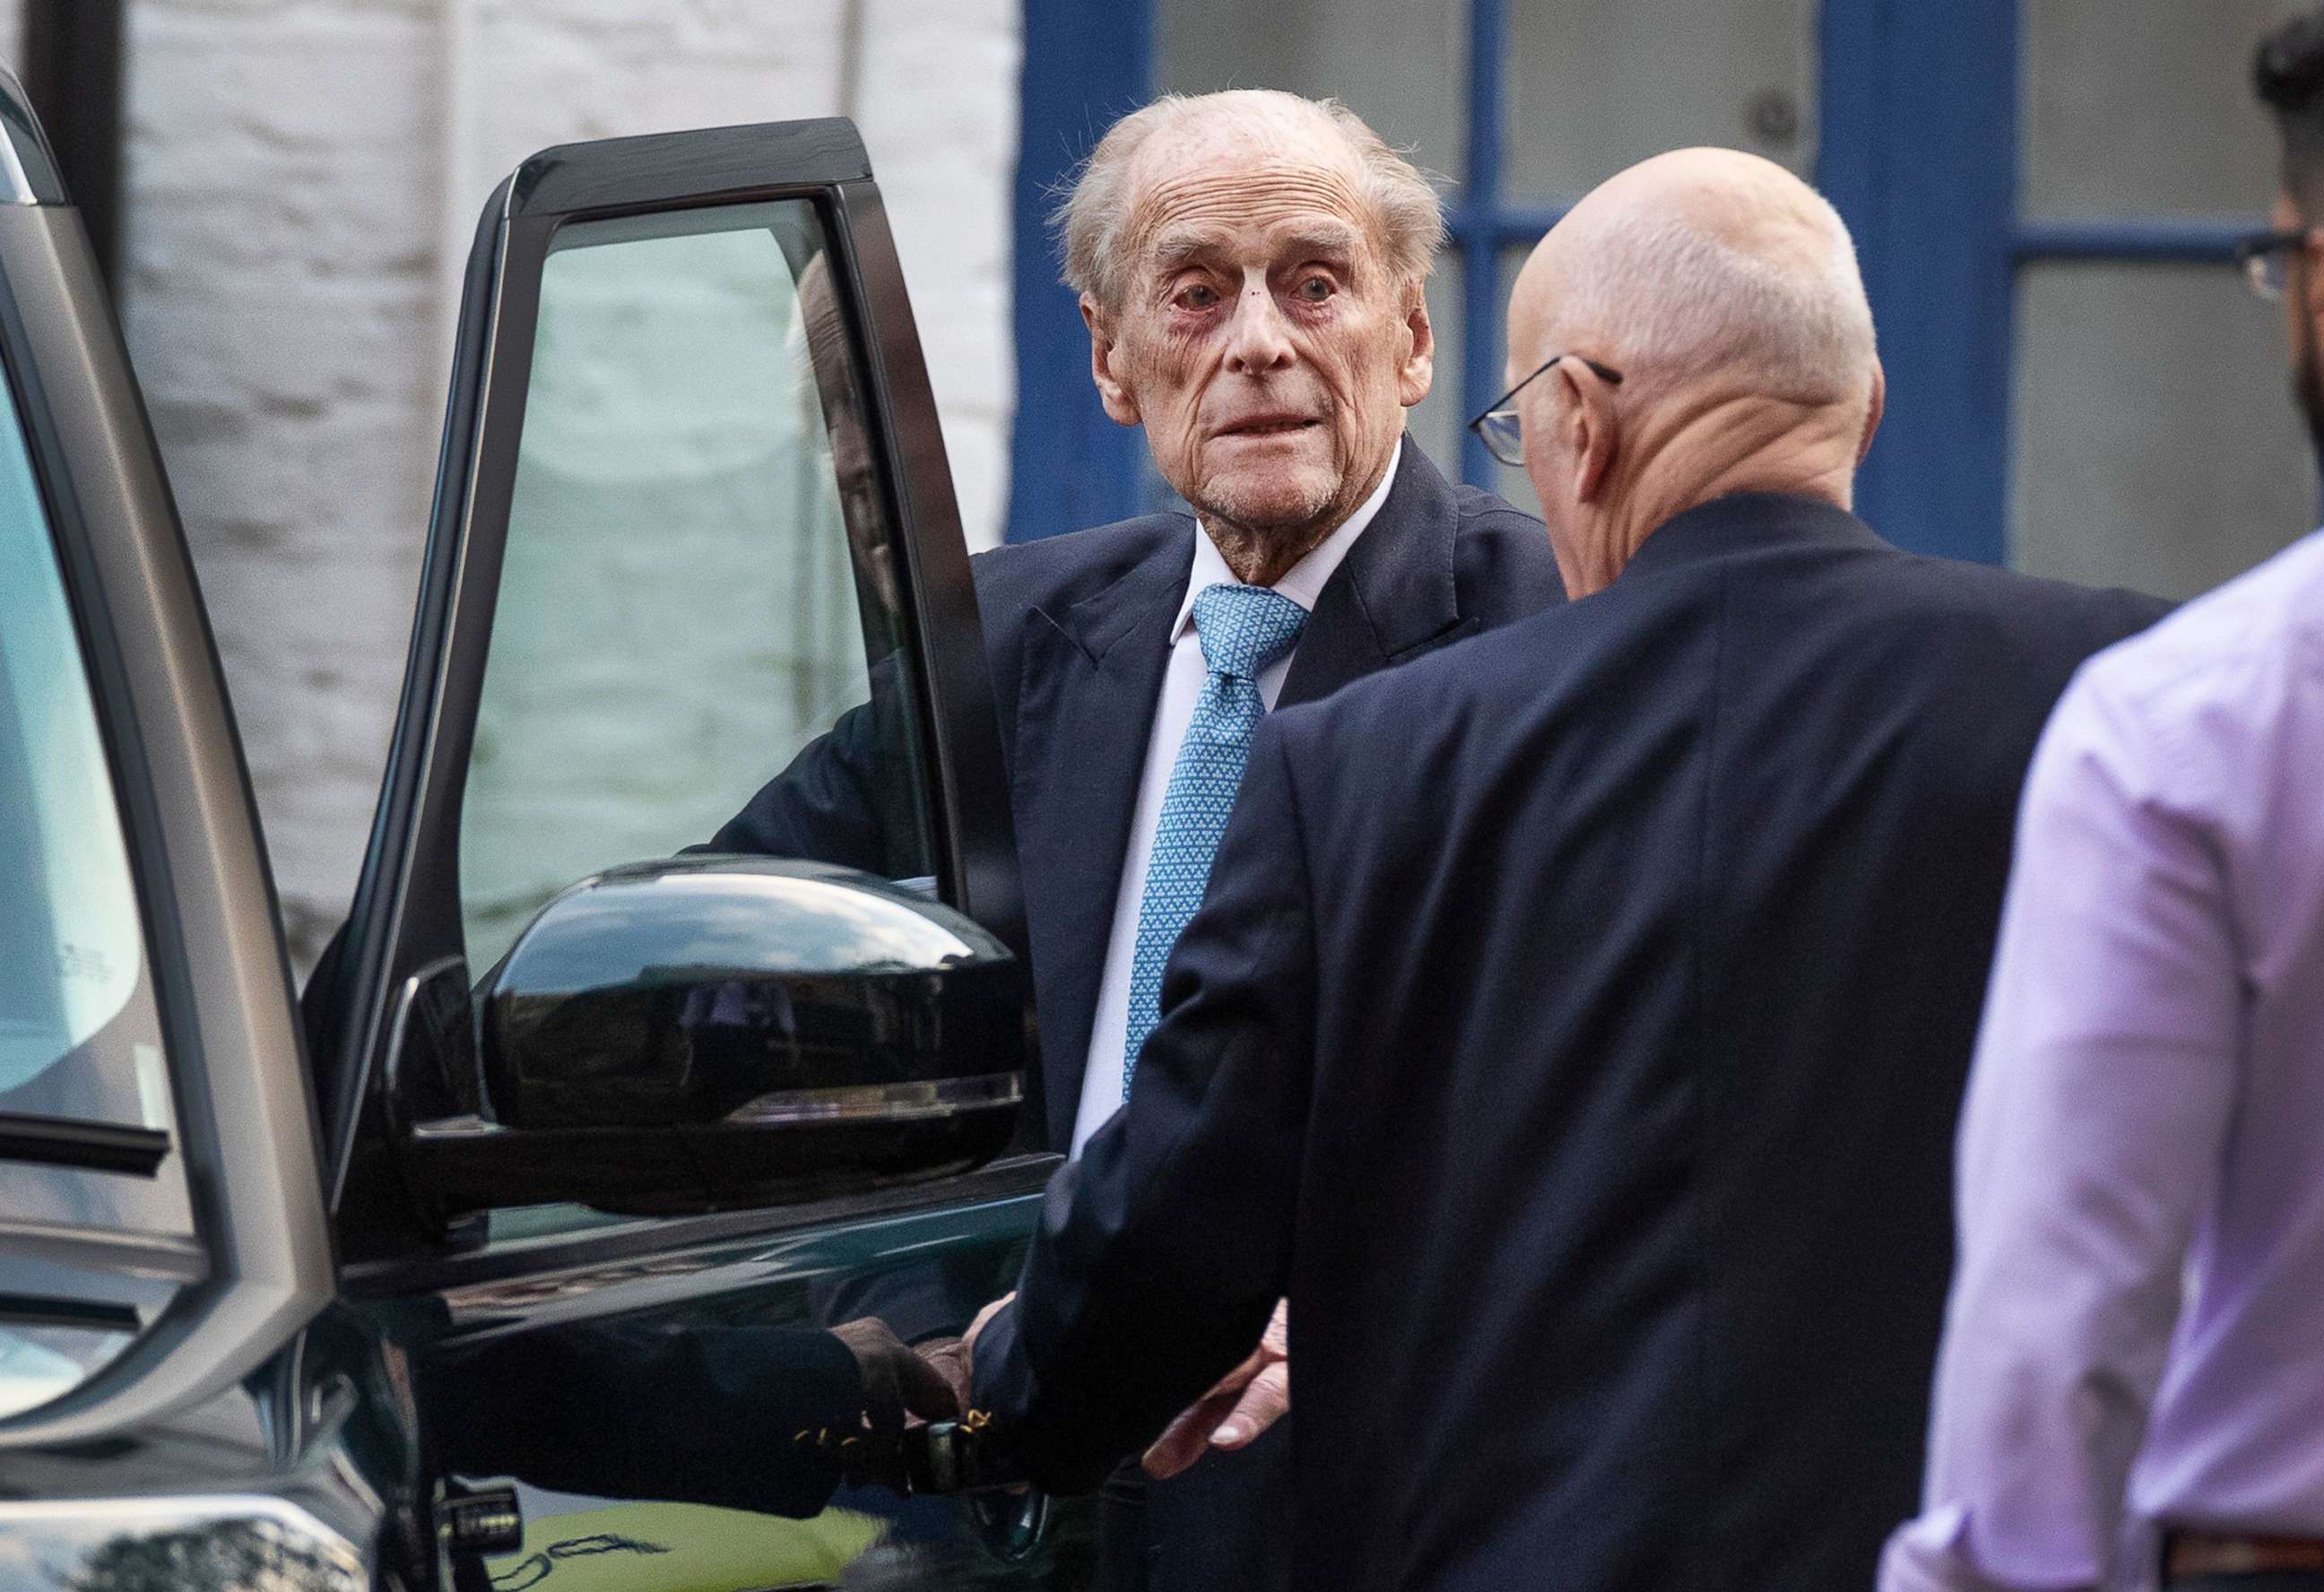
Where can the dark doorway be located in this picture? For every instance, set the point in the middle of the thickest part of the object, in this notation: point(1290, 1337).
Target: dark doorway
point(72, 75)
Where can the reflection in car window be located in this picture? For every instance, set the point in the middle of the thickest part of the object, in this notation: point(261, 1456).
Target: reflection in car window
point(79, 1035)
point(37, 1364)
point(696, 579)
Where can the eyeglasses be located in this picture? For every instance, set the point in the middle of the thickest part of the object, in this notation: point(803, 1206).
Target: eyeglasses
point(1499, 427)
point(2267, 259)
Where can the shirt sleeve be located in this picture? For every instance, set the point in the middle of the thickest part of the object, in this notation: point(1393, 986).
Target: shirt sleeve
point(2098, 1105)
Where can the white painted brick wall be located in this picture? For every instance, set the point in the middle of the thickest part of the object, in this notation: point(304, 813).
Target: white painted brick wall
point(303, 177)
point(281, 220)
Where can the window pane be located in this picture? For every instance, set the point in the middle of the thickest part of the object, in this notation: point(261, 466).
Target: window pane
point(1400, 67)
point(1438, 422)
point(79, 1035)
point(1511, 483)
point(1593, 85)
point(2157, 446)
point(2134, 107)
point(698, 578)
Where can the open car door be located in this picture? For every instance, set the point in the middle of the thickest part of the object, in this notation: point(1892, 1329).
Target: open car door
point(598, 1103)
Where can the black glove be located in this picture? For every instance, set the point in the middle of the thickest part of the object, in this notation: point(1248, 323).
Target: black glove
point(941, 1451)
point(896, 1382)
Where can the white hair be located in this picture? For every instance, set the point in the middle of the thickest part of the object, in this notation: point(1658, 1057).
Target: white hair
point(1664, 299)
point(1408, 222)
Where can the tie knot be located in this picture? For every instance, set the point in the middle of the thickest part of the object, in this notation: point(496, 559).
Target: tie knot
point(1243, 629)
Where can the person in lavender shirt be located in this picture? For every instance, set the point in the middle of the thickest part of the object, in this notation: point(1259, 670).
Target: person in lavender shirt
point(2132, 1383)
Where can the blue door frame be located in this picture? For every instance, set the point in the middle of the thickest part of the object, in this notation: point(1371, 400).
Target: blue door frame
point(1085, 65)
point(1917, 148)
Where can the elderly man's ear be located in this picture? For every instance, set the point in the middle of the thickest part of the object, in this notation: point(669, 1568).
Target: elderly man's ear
point(1106, 355)
point(1589, 426)
point(1873, 411)
point(1418, 373)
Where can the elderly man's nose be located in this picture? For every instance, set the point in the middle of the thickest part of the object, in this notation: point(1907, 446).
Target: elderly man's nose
point(1260, 342)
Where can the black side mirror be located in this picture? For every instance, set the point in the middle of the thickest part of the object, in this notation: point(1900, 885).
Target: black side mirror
point(726, 1032)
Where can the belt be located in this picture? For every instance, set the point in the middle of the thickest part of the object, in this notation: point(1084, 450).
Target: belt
point(2220, 1553)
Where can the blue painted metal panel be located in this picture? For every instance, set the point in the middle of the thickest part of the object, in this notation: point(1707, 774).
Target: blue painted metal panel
point(1086, 65)
point(1519, 224)
point(1919, 150)
point(2146, 241)
point(1476, 235)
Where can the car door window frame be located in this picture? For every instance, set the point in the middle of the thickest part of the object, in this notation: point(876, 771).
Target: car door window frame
point(259, 1261)
point(405, 930)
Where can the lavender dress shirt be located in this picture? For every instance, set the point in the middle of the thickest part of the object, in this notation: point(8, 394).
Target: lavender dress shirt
point(2136, 1331)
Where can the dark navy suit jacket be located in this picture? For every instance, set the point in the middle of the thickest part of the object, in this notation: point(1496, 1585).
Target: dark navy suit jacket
point(1574, 1029)
point(1077, 633)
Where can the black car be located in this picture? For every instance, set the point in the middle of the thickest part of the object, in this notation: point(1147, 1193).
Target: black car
point(412, 1287)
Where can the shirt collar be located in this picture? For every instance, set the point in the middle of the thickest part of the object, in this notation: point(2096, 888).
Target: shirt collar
point(1304, 581)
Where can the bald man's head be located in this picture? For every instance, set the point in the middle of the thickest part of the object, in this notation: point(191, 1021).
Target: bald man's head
point(1724, 290)
point(1704, 265)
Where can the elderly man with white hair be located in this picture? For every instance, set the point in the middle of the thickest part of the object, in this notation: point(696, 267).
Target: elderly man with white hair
point(1576, 1021)
point(1251, 267)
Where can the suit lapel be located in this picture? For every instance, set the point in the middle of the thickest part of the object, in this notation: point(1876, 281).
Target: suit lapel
point(1395, 592)
point(1093, 674)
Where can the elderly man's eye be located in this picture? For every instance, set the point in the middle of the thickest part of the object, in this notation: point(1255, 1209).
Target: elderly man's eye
point(1315, 290)
point(1196, 296)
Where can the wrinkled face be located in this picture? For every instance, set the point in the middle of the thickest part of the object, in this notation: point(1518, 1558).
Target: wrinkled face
point(1261, 339)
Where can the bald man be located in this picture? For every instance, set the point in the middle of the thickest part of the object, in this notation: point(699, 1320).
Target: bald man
point(1575, 1023)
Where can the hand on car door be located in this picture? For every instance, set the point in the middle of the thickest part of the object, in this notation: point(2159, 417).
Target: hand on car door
point(1247, 1400)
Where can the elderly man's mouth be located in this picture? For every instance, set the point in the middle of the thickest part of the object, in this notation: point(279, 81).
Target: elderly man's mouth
point(1271, 426)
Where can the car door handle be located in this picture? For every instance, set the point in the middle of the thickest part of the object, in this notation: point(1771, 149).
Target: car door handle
point(1009, 1521)
point(1009, 1525)
point(949, 1457)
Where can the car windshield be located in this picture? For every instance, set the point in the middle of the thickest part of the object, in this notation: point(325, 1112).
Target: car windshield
point(79, 1035)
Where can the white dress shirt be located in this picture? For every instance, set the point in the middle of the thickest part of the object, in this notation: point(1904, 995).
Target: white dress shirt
point(1181, 682)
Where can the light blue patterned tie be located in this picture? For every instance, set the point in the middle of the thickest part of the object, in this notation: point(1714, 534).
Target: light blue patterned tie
point(1242, 630)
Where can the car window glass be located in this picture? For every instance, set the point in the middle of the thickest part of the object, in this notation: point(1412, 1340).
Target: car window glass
point(698, 579)
point(41, 1363)
point(80, 1036)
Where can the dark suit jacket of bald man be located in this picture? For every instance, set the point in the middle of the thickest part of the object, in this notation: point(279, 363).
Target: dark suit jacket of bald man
point(1077, 633)
point(1574, 1029)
